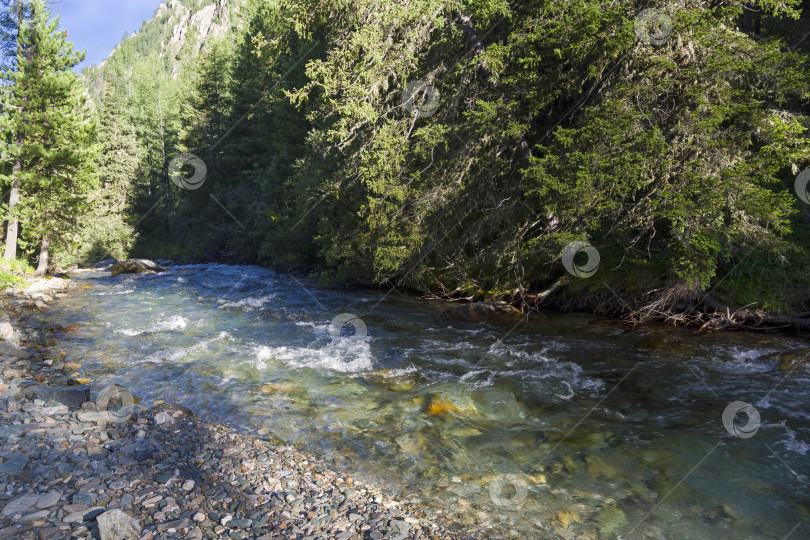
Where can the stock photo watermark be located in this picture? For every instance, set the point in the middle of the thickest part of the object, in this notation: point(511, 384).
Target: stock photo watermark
point(589, 267)
point(420, 98)
point(801, 185)
point(115, 404)
point(733, 424)
point(176, 173)
point(653, 26)
point(347, 327)
point(508, 491)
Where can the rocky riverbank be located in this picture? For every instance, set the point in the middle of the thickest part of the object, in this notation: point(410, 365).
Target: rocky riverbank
point(74, 467)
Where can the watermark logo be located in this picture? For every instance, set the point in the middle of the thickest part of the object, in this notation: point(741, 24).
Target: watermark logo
point(196, 180)
point(116, 404)
point(800, 185)
point(580, 270)
point(653, 26)
point(338, 328)
point(508, 491)
point(730, 419)
point(420, 98)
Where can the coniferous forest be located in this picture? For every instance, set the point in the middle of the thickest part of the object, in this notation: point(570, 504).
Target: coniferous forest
point(405, 269)
point(457, 149)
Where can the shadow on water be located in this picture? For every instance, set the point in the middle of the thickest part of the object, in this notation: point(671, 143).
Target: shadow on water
point(568, 427)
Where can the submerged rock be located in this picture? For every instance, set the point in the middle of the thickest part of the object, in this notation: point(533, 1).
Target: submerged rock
point(480, 312)
point(442, 404)
point(662, 341)
point(610, 521)
point(135, 266)
point(790, 362)
point(9, 349)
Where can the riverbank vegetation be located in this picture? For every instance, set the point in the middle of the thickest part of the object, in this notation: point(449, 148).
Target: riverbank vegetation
point(456, 148)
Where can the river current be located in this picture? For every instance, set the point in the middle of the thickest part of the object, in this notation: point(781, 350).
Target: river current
point(565, 426)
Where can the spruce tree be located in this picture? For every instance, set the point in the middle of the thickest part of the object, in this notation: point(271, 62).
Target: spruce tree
point(57, 151)
point(105, 230)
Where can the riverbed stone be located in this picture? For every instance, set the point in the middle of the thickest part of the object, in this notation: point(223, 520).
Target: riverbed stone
point(610, 521)
point(117, 525)
point(9, 349)
point(13, 463)
point(21, 504)
point(156, 478)
point(6, 331)
point(73, 396)
point(49, 499)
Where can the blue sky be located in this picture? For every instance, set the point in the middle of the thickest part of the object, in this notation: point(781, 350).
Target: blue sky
point(98, 25)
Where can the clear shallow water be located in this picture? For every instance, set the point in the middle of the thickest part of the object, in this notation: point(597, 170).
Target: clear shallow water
point(565, 428)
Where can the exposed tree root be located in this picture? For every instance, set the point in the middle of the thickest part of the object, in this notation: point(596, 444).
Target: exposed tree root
point(676, 305)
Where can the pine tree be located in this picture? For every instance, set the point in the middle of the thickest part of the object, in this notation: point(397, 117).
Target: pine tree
point(56, 155)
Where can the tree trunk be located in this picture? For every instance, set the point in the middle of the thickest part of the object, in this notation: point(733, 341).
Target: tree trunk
point(42, 267)
point(10, 252)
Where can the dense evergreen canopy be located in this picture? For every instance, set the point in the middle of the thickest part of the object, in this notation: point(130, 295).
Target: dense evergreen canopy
point(458, 147)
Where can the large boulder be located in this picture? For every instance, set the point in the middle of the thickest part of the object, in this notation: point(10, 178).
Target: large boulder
point(72, 396)
point(135, 266)
point(44, 285)
point(480, 312)
point(105, 265)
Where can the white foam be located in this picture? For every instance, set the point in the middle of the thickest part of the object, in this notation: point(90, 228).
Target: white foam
point(792, 444)
point(175, 322)
point(251, 302)
point(115, 293)
point(178, 354)
point(346, 356)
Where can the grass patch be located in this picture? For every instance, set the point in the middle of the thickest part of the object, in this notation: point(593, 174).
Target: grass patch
point(12, 273)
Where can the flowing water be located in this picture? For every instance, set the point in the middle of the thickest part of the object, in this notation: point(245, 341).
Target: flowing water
point(564, 427)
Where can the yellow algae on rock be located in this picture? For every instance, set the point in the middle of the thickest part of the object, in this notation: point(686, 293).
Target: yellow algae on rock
point(538, 479)
point(272, 388)
point(440, 405)
point(566, 518)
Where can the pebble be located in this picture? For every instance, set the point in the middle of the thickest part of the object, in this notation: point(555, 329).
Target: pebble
point(49, 499)
point(166, 473)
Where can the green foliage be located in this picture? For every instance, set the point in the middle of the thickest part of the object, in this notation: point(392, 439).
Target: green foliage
point(56, 154)
point(556, 122)
point(13, 272)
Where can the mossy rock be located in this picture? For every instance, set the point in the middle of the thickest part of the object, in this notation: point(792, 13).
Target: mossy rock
point(661, 341)
point(481, 312)
point(610, 521)
point(790, 362)
point(135, 266)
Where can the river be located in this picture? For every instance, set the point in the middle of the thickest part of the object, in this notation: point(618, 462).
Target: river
point(566, 426)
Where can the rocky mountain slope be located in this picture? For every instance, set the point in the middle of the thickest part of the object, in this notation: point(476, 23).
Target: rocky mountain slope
point(177, 32)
